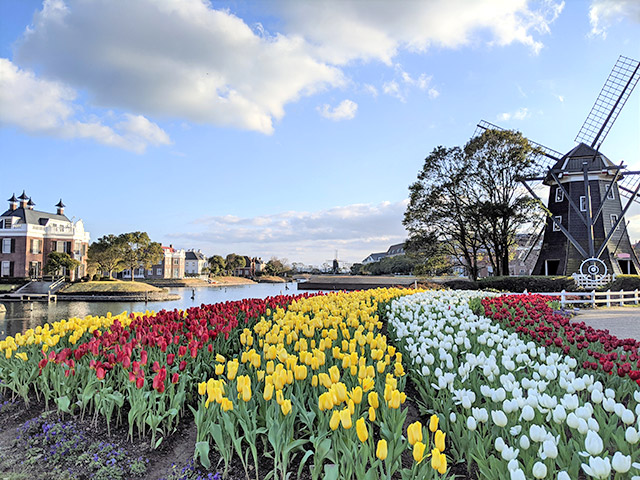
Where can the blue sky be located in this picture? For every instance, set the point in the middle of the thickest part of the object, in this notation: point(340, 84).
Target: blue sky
point(289, 129)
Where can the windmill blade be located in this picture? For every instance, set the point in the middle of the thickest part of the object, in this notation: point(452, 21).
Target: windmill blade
point(547, 158)
point(628, 185)
point(614, 94)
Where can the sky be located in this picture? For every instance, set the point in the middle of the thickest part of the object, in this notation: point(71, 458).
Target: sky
point(286, 128)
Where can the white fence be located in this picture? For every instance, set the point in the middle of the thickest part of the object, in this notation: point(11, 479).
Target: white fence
point(586, 281)
point(594, 298)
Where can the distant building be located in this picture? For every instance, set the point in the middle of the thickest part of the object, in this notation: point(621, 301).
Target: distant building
point(252, 266)
point(172, 265)
point(28, 236)
point(194, 262)
point(392, 251)
point(524, 254)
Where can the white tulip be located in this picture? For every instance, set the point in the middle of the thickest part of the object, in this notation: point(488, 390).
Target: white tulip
point(631, 435)
point(636, 396)
point(549, 449)
point(627, 417)
point(471, 424)
point(621, 463)
point(537, 433)
point(593, 424)
point(593, 443)
point(609, 404)
point(572, 420)
point(517, 475)
point(539, 470)
point(527, 413)
point(509, 453)
point(598, 467)
point(499, 418)
point(597, 396)
point(524, 442)
point(559, 414)
point(499, 444)
point(610, 393)
point(563, 475)
point(583, 427)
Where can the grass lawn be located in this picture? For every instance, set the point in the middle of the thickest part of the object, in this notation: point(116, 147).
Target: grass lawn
point(7, 287)
point(110, 286)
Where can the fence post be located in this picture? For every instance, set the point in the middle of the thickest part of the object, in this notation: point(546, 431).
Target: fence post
point(562, 298)
point(609, 298)
point(635, 297)
point(621, 298)
point(593, 298)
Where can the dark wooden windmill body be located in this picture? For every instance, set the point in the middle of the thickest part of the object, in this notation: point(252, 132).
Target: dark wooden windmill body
point(589, 195)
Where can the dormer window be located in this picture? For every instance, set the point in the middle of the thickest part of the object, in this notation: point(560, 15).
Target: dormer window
point(559, 194)
point(611, 195)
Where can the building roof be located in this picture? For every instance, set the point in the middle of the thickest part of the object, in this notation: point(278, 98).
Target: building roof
point(34, 217)
point(192, 255)
point(573, 161)
point(376, 256)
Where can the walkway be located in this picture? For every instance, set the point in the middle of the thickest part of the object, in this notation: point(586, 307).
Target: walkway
point(623, 322)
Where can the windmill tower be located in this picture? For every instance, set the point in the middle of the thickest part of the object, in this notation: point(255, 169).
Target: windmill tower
point(589, 195)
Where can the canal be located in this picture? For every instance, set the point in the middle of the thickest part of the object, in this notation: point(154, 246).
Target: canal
point(21, 316)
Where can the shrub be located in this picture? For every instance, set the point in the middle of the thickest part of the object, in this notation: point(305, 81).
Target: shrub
point(624, 282)
point(515, 284)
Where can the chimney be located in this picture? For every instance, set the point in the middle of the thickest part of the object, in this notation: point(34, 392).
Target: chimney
point(30, 204)
point(13, 202)
point(23, 200)
point(60, 207)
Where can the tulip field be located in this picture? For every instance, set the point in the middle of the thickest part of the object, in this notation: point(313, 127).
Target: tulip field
point(320, 386)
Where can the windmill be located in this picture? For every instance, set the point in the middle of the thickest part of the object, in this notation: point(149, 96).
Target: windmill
point(335, 264)
point(585, 232)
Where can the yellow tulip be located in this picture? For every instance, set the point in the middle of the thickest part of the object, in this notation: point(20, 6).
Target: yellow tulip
point(22, 356)
point(268, 392)
point(418, 451)
point(219, 369)
point(356, 395)
point(440, 436)
point(285, 407)
point(345, 418)
point(372, 414)
point(435, 459)
point(334, 374)
point(202, 388)
point(373, 399)
point(433, 423)
point(443, 464)
point(381, 449)
point(335, 420)
point(220, 358)
point(227, 404)
point(361, 430)
point(414, 433)
point(395, 400)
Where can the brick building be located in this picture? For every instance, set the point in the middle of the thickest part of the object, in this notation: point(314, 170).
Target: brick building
point(171, 266)
point(27, 236)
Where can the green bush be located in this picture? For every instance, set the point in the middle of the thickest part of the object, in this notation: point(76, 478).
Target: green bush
point(624, 282)
point(515, 284)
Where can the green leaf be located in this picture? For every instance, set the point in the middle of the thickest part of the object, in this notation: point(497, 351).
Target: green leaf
point(202, 451)
point(158, 442)
point(63, 403)
point(306, 457)
point(331, 472)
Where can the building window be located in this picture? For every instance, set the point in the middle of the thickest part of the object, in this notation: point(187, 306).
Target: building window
point(559, 194)
point(614, 219)
point(158, 271)
point(583, 203)
point(556, 228)
point(7, 245)
point(176, 261)
point(611, 195)
point(6, 269)
point(36, 245)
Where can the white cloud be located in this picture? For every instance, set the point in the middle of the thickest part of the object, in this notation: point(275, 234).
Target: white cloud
point(519, 114)
point(345, 110)
point(173, 59)
point(393, 88)
point(343, 31)
point(603, 13)
point(401, 86)
point(186, 60)
point(355, 230)
point(371, 90)
point(43, 107)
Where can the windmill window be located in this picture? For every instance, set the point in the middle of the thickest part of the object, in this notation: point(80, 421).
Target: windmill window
point(583, 203)
point(559, 194)
point(614, 219)
point(611, 195)
point(556, 228)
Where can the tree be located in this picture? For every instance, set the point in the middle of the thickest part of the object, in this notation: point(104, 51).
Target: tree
point(234, 261)
point(500, 158)
point(441, 215)
point(276, 266)
point(357, 269)
point(58, 260)
point(107, 253)
point(139, 251)
point(217, 265)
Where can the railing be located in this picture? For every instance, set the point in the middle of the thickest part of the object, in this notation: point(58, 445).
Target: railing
point(593, 298)
point(57, 283)
point(586, 281)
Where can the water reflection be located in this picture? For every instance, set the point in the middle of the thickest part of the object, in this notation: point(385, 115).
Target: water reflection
point(21, 316)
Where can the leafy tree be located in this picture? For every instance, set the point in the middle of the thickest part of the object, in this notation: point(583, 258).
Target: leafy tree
point(441, 214)
point(107, 253)
point(57, 260)
point(500, 158)
point(276, 266)
point(217, 265)
point(234, 261)
point(357, 269)
point(139, 251)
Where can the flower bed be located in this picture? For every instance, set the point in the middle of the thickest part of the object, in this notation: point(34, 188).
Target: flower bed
point(519, 409)
point(319, 381)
